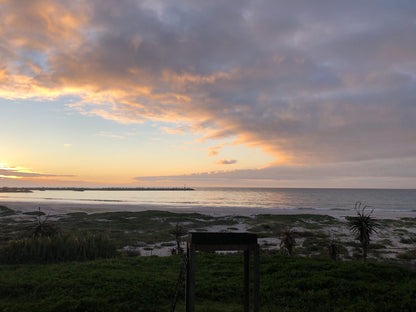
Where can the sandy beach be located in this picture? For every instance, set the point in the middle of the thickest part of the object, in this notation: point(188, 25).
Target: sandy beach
point(57, 208)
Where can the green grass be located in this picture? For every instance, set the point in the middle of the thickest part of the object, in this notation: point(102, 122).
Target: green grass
point(147, 284)
point(147, 228)
point(4, 211)
point(61, 247)
point(265, 224)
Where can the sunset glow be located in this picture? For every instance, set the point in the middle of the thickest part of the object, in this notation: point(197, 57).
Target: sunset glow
point(167, 93)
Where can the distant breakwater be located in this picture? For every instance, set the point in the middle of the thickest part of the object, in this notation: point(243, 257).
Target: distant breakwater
point(82, 189)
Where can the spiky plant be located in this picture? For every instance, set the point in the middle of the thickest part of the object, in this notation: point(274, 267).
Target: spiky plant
point(288, 241)
point(178, 231)
point(42, 227)
point(363, 226)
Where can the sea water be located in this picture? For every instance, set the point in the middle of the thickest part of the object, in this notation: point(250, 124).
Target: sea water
point(389, 200)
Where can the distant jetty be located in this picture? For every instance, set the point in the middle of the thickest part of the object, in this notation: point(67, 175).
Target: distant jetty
point(82, 189)
point(14, 190)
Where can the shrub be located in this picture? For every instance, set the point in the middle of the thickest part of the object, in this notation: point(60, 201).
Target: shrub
point(407, 255)
point(288, 241)
point(42, 227)
point(407, 241)
point(43, 249)
point(131, 251)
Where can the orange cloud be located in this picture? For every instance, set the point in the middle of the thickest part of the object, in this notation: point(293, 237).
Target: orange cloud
point(7, 171)
point(308, 101)
point(214, 150)
point(226, 161)
point(177, 130)
point(42, 25)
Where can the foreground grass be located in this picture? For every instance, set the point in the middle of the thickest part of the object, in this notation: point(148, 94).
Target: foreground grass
point(147, 284)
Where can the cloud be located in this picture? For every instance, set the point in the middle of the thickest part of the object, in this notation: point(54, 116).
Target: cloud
point(11, 172)
point(380, 173)
point(110, 135)
point(215, 150)
point(332, 82)
point(212, 152)
point(16, 173)
point(226, 161)
point(176, 130)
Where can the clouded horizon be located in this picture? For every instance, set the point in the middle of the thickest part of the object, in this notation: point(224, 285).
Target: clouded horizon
point(208, 93)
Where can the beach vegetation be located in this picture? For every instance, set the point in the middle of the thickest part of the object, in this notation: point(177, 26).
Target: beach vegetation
point(131, 251)
point(152, 229)
point(288, 241)
point(201, 230)
point(323, 247)
point(126, 228)
point(64, 271)
point(333, 249)
point(363, 226)
point(292, 219)
point(148, 284)
point(406, 241)
point(407, 255)
point(5, 211)
point(314, 246)
point(386, 242)
point(178, 231)
point(57, 248)
point(42, 227)
point(401, 231)
point(167, 244)
point(42, 242)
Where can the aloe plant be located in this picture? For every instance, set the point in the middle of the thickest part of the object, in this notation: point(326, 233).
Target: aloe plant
point(42, 227)
point(363, 226)
point(178, 231)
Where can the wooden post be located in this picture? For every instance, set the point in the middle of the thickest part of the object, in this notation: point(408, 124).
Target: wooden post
point(190, 279)
point(256, 289)
point(246, 242)
point(246, 281)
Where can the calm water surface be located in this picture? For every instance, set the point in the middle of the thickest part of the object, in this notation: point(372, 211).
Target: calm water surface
point(241, 198)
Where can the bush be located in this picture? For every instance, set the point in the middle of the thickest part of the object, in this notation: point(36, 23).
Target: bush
point(58, 248)
point(148, 284)
point(42, 227)
point(407, 255)
point(407, 241)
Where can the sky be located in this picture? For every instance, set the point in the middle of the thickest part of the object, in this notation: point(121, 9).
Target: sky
point(247, 93)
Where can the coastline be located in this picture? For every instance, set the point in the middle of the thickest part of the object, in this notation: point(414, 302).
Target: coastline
point(313, 227)
point(59, 208)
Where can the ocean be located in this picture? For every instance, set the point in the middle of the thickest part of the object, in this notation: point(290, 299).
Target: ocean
point(239, 199)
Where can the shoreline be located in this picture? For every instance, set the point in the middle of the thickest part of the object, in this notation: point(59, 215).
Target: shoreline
point(59, 208)
point(312, 226)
